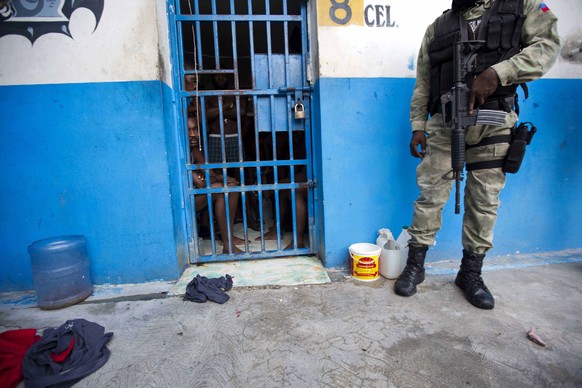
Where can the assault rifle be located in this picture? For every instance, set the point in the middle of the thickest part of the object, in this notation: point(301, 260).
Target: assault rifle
point(454, 108)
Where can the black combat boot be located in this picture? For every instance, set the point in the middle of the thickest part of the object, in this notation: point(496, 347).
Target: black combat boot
point(413, 273)
point(469, 280)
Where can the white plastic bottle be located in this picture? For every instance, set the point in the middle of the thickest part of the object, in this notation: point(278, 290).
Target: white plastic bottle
point(402, 242)
point(390, 266)
point(383, 236)
point(390, 254)
point(403, 238)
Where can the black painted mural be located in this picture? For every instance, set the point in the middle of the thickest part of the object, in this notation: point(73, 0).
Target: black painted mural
point(34, 18)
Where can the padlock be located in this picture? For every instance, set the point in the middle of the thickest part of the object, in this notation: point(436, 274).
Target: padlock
point(299, 110)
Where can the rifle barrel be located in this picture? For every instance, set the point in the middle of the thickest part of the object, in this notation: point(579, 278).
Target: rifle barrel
point(458, 196)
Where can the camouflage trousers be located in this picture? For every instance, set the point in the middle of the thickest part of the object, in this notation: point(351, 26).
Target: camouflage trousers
point(482, 187)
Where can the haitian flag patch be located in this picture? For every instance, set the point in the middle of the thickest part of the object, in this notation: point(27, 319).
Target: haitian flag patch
point(544, 7)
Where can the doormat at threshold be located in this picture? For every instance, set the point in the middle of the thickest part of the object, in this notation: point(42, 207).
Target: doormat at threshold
point(287, 271)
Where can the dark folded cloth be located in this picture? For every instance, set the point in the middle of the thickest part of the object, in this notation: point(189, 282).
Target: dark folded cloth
point(200, 289)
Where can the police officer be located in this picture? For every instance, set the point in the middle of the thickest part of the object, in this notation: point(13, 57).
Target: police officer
point(522, 43)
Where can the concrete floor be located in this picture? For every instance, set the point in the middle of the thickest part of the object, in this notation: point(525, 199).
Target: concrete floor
point(345, 333)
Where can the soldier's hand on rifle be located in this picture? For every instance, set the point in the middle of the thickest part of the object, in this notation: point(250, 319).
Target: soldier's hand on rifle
point(418, 138)
point(483, 86)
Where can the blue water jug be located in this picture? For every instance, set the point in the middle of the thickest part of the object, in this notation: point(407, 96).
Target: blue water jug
point(60, 271)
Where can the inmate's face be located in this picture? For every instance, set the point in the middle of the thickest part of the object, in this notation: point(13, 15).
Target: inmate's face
point(220, 81)
point(190, 82)
point(192, 126)
point(193, 136)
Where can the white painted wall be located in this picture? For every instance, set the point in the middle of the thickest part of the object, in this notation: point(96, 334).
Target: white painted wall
point(134, 36)
point(124, 47)
point(165, 65)
point(569, 27)
point(362, 51)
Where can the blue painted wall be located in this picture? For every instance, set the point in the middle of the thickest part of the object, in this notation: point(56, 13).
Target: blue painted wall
point(102, 160)
point(86, 159)
point(367, 176)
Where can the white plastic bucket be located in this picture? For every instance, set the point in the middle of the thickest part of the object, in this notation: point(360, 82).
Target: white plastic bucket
point(365, 261)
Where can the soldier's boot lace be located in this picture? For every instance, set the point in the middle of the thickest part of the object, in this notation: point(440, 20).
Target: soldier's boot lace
point(470, 281)
point(413, 273)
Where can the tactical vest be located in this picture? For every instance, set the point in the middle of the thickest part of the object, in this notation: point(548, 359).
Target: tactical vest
point(500, 27)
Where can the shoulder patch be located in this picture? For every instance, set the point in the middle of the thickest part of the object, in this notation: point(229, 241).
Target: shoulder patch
point(544, 7)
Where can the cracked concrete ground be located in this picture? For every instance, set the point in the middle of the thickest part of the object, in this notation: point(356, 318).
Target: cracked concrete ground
point(342, 334)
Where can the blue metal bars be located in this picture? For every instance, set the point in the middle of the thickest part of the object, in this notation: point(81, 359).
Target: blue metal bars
point(247, 149)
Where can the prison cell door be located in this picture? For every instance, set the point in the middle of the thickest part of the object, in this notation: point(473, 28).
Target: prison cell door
point(245, 111)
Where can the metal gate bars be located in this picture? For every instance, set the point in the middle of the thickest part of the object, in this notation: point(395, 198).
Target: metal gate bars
point(245, 107)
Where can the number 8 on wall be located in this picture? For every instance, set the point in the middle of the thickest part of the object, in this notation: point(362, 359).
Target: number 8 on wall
point(340, 13)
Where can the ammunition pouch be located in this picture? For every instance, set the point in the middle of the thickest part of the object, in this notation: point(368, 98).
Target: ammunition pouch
point(519, 138)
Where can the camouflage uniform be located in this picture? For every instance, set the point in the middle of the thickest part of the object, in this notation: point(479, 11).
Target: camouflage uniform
point(481, 199)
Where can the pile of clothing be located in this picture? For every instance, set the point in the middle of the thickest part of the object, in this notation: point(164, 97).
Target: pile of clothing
point(61, 356)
